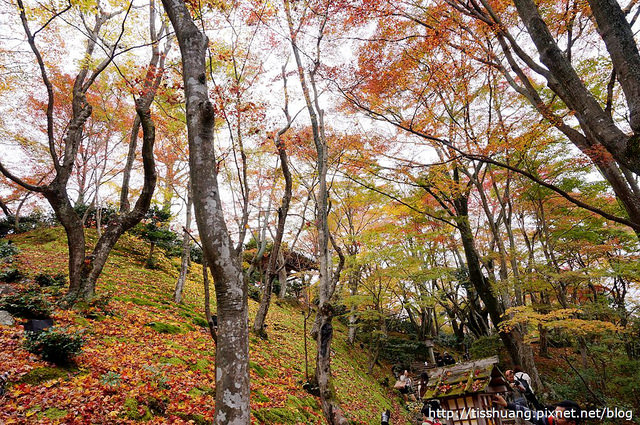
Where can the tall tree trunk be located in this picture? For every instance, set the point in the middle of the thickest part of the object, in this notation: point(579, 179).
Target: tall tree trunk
point(282, 274)
point(354, 279)
point(85, 270)
point(151, 83)
point(327, 282)
point(186, 250)
point(520, 352)
point(232, 350)
point(131, 157)
point(207, 301)
point(283, 211)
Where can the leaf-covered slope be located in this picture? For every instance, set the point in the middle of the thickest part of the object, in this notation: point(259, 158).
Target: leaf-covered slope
point(153, 360)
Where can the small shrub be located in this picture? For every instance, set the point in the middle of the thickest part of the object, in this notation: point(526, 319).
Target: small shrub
point(158, 375)
point(196, 254)
point(255, 293)
point(56, 345)
point(111, 379)
point(28, 303)
point(485, 346)
point(46, 279)
point(8, 250)
point(11, 275)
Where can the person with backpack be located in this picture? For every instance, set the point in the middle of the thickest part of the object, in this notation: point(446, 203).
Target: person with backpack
point(518, 391)
point(523, 381)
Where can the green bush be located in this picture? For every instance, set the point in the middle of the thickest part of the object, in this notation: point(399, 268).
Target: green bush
point(56, 345)
point(46, 279)
point(447, 340)
point(154, 228)
point(400, 350)
point(25, 223)
point(485, 346)
point(255, 293)
point(106, 214)
point(11, 275)
point(28, 303)
point(8, 250)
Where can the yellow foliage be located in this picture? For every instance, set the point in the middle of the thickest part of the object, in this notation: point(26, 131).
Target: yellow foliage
point(561, 319)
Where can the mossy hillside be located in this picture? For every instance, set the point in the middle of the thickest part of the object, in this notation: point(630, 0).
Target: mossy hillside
point(143, 363)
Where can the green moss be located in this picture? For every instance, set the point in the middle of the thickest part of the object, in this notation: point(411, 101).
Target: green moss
point(260, 371)
point(200, 391)
point(141, 302)
point(294, 401)
point(165, 328)
point(260, 398)
point(175, 361)
point(199, 321)
point(84, 322)
point(281, 415)
point(201, 365)
point(132, 410)
point(55, 413)
point(43, 236)
point(43, 374)
point(196, 418)
point(195, 392)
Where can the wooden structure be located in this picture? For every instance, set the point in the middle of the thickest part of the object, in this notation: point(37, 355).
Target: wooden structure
point(466, 388)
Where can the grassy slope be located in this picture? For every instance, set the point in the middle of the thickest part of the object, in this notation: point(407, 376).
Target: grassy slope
point(130, 372)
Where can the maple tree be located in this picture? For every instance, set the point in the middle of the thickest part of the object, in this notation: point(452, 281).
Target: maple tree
point(84, 269)
point(276, 250)
point(328, 276)
point(460, 191)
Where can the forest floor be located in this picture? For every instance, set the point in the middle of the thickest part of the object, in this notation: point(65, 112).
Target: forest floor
point(153, 360)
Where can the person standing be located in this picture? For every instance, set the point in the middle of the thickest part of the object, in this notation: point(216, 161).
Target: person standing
point(523, 381)
point(385, 418)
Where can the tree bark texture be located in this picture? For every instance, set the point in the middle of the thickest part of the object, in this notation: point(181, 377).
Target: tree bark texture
point(186, 250)
point(232, 349)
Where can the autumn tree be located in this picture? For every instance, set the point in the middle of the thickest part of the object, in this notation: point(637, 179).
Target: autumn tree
point(328, 276)
point(84, 269)
point(276, 256)
point(589, 102)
